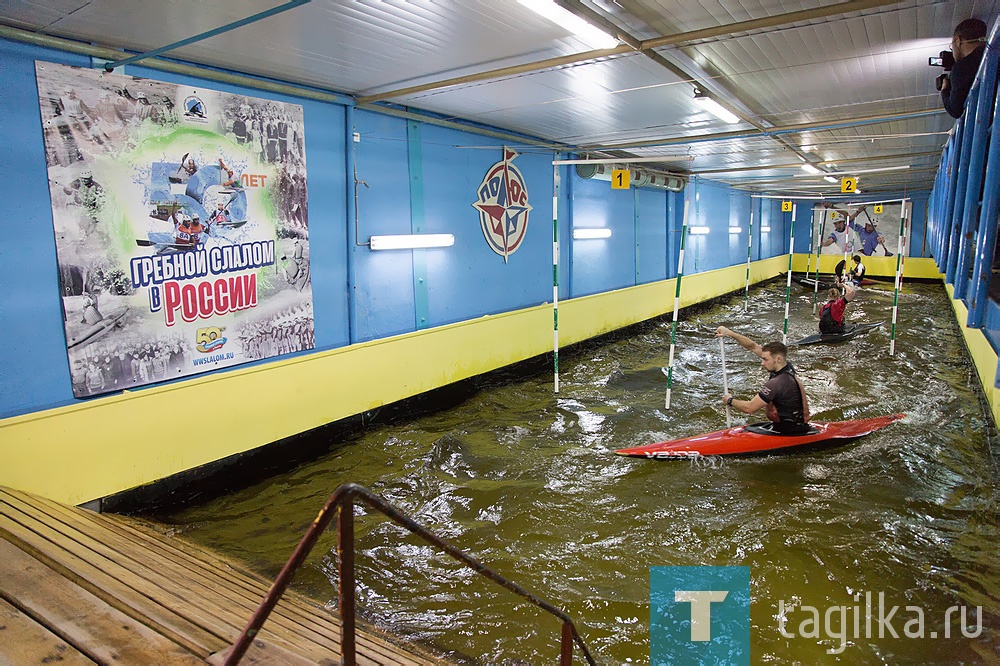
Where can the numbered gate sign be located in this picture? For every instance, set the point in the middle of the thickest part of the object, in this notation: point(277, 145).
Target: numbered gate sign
point(786, 206)
point(620, 179)
point(848, 185)
point(878, 209)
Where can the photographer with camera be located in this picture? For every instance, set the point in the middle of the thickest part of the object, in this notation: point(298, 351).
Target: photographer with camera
point(961, 64)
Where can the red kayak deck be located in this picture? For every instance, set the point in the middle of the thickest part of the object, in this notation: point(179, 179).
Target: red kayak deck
point(741, 440)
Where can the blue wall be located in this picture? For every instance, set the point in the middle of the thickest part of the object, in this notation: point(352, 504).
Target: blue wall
point(420, 177)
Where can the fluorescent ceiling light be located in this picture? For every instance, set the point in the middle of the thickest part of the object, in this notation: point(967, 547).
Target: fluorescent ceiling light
point(410, 241)
point(714, 107)
point(809, 168)
point(698, 231)
point(765, 228)
point(735, 230)
point(589, 34)
point(585, 233)
point(830, 179)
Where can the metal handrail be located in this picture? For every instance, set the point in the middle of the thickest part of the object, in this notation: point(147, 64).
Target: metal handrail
point(341, 502)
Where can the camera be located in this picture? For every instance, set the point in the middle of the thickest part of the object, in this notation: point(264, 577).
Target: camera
point(945, 60)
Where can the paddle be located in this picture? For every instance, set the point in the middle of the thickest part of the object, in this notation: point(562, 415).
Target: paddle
point(725, 381)
point(882, 243)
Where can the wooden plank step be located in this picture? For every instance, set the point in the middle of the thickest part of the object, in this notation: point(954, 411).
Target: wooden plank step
point(294, 610)
point(149, 570)
point(24, 641)
point(299, 617)
point(142, 588)
point(91, 578)
point(84, 621)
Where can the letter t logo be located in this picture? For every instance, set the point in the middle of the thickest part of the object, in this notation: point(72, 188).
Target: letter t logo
point(699, 615)
point(701, 610)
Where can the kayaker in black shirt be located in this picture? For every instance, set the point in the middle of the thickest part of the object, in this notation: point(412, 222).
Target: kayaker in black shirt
point(783, 395)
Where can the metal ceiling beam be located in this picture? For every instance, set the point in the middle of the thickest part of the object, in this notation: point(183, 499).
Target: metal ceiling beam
point(850, 160)
point(502, 72)
point(625, 49)
point(205, 35)
point(818, 126)
point(767, 22)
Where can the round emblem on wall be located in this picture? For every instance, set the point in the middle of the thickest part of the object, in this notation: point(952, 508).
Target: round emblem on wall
point(503, 206)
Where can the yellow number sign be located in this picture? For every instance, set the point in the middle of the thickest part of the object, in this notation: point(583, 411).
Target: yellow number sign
point(848, 184)
point(878, 209)
point(620, 179)
point(786, 206)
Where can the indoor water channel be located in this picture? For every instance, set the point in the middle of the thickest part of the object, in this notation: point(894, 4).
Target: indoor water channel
point(528, 483)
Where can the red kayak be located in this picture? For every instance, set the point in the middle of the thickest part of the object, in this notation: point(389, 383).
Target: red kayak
point(757, 438)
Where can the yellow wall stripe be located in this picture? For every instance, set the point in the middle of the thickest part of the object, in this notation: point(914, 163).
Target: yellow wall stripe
point(85, 451)
point(982, 353)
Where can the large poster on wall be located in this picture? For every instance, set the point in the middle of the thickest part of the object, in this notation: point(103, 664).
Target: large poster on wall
point(181, 226)
point(870, 230)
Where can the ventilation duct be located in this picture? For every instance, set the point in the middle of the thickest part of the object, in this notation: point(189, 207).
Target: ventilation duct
point(660, 181)
point(638, 177)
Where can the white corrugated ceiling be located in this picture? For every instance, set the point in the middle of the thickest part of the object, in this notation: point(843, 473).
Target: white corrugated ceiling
point(845, 84)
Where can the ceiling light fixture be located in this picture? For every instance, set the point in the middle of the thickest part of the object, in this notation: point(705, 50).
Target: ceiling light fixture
point(714, 107)
point(591, 232)
point(589, 34)
point(810, 168)
point(410, 241)
point(698, 231)
point(830, 179)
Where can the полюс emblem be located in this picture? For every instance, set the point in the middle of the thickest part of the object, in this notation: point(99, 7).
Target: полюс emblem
point(503, 206)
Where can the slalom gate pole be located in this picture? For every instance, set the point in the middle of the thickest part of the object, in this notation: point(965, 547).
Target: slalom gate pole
point(677, 303)
point(788, 286)
point(903, 215)
point(812, 243)
point(555, 276)
point(819, 246)
point(725, 381)
point(848, 242)
point(746, 290)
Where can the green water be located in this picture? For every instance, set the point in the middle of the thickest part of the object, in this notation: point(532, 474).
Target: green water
point(528, 483)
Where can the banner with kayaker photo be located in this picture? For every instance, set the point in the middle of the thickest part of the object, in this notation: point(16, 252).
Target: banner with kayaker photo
point(871, 230)
point(181, 226)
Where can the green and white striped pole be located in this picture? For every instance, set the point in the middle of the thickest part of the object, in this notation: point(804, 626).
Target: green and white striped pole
point(677, 303)
point(788, 286)
point(812, 241)
point(746, 289)
point(819, 246)
point(555, 275)
point(903, 215)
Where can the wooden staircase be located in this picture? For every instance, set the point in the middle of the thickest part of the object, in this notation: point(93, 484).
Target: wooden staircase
point(82, 588)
